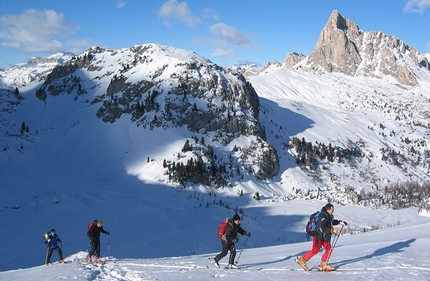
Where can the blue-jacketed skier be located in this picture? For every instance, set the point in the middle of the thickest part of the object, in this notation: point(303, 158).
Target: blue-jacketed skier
point(52, 241)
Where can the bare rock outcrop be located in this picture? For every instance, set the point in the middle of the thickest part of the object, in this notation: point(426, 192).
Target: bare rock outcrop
point(343, 47)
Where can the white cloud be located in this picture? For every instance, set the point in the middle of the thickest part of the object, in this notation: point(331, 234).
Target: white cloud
point(228, 35)
point(210, 14)
point(225, 53)
point(417, 6)
point(34, 31)
point(120, 4)
point(178, 11)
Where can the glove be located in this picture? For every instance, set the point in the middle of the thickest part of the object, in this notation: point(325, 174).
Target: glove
point(49, 240)
point(248, 234)
point(343, 223)
point(108, 233)
point(335, 230)
point(235, 240)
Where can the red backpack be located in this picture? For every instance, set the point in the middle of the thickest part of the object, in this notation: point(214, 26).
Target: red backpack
point(222, 227)
point(91, 224)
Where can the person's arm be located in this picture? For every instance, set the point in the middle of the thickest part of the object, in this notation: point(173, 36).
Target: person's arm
point(104, 231)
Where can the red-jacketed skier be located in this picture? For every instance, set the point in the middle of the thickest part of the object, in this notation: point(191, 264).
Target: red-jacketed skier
point(322, 238)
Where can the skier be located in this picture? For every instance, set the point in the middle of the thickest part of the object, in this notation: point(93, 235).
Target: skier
point(229, 241)
point(52, 240)
point(94, 235)
point(322, 238)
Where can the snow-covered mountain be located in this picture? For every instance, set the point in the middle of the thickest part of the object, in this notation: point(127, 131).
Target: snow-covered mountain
point(107, 133)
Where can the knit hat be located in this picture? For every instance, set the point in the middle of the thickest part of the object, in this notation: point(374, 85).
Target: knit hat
point(52, 230)
point(236, 217)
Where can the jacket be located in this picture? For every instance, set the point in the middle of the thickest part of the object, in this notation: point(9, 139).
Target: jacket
point(324, 225)
point(231, 231)
point(52, 240)
point(94, 232)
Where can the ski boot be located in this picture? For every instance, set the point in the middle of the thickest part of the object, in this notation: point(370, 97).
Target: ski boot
point(301, 261)
point(214, 262)
point(232, 266)
point(98, 260)
point(61, 261)
point(326, 267)
point(89, 259)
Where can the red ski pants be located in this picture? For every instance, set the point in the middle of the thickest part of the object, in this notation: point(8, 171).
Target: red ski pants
point(316, 246)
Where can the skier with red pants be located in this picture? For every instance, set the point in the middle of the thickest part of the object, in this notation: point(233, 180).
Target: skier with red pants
point(322, 238)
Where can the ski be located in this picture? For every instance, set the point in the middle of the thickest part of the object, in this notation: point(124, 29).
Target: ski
point(334, 270)
point(84, 261)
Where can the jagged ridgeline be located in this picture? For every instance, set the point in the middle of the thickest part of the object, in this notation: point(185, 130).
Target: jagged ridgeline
point(165, 87)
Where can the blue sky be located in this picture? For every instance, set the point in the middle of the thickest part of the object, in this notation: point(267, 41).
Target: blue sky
point(226, 32)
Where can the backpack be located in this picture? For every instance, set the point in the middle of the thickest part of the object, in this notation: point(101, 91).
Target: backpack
point(311, 226)
point(91, 224)
point(222, 227)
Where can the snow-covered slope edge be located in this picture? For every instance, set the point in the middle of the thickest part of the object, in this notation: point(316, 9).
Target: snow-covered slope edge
point(397, 253)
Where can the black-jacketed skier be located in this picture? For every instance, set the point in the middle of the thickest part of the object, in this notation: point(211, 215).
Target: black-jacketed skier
point(52, 240)
point(322, 239)
point(94, 235)
point(229, 240)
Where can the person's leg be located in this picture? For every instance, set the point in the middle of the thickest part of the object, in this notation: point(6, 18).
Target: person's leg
point(316, 246)
point(48, 255)
point(232, 253)
point(60, 253)
point(97, 253)
point(224, 251)
point(327, 248)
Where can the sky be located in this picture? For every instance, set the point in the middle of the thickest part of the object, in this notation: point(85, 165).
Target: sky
point(226, 32)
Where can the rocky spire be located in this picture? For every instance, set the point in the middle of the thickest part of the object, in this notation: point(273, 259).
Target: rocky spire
point(343, 47)
point(336, 49)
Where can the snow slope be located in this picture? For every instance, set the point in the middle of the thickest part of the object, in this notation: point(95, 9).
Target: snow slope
point(396, 253)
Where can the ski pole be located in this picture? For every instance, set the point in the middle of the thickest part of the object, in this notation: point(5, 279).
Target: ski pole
point(242, 249)
point(108, 245)
point(334, 243)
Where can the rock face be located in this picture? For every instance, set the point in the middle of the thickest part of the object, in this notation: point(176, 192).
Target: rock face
point(293, 59)
point(343, 47)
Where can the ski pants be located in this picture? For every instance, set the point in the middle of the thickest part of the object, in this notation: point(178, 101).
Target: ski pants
point(49, 254)
point(95, 248)
point(227, 246)
point(316, 246)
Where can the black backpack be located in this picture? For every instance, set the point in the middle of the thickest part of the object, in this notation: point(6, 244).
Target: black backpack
point(311, 226)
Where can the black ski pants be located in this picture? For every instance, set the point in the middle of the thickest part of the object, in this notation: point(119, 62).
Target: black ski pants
point(49, 254)
point(95, 248)
point(227, 246)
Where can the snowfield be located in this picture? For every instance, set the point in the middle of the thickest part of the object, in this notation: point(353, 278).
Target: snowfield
point(396, 253)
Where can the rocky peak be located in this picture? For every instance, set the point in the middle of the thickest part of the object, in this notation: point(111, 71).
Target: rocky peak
point(343, 47)
point(293, 59)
